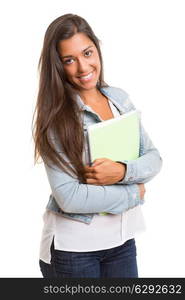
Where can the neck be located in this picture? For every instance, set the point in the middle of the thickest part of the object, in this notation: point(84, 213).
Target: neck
point(91, 96)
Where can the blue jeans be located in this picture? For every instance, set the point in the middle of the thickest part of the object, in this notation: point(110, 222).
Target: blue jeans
point(117, 262)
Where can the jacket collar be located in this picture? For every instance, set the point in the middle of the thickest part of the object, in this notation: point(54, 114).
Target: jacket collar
point(109, 93)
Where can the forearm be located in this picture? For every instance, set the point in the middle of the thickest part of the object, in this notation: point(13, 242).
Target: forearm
point(74, 197)
point(143, 169)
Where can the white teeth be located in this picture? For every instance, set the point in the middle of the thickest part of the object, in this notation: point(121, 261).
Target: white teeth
point(87, 76)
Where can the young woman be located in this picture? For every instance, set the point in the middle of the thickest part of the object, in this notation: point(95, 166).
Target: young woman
point(77, 240)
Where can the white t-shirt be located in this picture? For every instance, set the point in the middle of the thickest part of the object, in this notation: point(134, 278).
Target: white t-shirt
point(104, 231)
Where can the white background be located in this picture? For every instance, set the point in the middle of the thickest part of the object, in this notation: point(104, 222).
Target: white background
point(143, 47)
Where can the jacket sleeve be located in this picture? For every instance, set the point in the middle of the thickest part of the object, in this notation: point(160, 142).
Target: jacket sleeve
point(75, 197)
point(147, 166)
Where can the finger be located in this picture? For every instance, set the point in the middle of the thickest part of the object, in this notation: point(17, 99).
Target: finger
point(87, 168)
point(98, 161)
point(90, 171)
point(89, 175)
point(91, 181)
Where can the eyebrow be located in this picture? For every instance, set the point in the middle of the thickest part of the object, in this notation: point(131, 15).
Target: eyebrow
point(82, 51)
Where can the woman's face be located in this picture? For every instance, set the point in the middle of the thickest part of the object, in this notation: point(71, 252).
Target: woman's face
point(81, 61)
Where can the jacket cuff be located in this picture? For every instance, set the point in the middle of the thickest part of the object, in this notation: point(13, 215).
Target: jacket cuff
point(130, 172)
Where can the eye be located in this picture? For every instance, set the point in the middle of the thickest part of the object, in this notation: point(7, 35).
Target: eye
point(68, 61)
point(88, 53)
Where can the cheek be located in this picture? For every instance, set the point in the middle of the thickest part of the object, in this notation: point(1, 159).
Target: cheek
point(70, 71)
point(96, 60)
point(97, 63)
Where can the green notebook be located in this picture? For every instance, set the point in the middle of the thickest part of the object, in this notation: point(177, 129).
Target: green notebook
point(117, 139)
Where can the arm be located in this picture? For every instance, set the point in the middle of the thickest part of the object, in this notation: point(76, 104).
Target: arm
point(149, 162)
point(105, 171)
point(75, 197)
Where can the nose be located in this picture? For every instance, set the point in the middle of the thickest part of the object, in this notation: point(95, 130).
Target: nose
point(82, 65)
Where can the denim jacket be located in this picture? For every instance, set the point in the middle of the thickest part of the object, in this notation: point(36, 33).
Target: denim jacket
point(78, 201)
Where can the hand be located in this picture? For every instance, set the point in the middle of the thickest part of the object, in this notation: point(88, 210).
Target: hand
point(142, 190)
point(104, 171)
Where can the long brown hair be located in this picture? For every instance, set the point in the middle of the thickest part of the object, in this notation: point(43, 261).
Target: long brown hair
point(57, 114)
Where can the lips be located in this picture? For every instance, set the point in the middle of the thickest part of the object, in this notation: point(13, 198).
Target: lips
point(86, 77)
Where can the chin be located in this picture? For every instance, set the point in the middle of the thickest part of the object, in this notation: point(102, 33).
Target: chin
point(88, 86)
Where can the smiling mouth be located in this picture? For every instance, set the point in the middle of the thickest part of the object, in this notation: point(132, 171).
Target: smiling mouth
point(86, 77)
